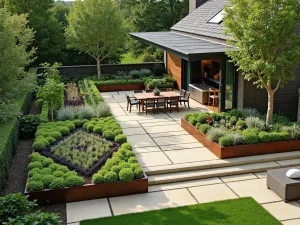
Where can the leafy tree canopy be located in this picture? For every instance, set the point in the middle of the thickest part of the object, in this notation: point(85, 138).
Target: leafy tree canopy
point(265, 35)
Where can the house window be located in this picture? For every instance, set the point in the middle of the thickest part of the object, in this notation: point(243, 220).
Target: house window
point(217, 19)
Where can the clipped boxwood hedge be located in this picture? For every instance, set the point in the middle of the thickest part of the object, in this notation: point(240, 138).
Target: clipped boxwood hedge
point(118, 82)
point(9, 134)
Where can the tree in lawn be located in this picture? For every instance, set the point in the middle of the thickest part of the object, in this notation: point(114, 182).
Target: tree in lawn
point(97, 28)
point(16, 39)
point(52, 93)
point(268, 44)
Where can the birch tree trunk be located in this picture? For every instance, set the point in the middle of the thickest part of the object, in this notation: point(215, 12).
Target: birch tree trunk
point(270, 107)
point(98, 67)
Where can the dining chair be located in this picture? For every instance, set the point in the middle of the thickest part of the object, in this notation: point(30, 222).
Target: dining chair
point(149, 103)
point(132, 101)
point(185, 99)
point(173, 102)
point(213, 97)
point(161, 103)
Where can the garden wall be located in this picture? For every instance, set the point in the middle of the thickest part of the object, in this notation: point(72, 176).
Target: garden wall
point(9, 136)
point(87, 70)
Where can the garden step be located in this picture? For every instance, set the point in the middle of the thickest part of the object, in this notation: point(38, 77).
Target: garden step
point(173, 168)
point(217, 172)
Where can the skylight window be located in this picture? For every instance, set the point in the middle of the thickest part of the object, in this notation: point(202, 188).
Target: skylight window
point(217, 19)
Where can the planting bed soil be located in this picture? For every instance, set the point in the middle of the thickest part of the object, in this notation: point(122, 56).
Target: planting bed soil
point(240, 150)
point(121, 87)
point(90, 191)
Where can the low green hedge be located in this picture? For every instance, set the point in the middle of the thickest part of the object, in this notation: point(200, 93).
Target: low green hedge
point(117, 82)
point(9, 134)
point(44, 116)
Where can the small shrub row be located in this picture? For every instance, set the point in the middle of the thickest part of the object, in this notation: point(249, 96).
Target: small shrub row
point(44, 116)
point(123, 166)
point(28, 125)
point(118, 82)
point(45, 174)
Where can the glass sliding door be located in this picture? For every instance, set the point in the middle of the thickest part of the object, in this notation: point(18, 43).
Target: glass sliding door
point(230, 86)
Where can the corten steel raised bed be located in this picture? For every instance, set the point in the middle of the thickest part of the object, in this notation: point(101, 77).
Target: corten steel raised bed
point(121, 87)
point(89, 191)
point(240, 150)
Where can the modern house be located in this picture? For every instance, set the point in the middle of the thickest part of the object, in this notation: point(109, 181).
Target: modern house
point(195, 54)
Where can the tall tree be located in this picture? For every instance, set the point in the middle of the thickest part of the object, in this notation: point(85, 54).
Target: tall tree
point(97, 28)
point(265, 35)
point(15, 38)
point(49, 39)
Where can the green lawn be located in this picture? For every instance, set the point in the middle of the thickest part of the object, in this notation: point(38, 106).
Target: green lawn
point(128, 58)
point(243, 211)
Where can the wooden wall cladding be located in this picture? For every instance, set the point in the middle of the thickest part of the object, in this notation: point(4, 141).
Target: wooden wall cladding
point(174, 68)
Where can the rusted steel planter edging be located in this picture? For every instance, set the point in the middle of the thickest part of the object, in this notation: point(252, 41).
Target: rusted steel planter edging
point(89, 191)
point(120, 87)
point(240, 150)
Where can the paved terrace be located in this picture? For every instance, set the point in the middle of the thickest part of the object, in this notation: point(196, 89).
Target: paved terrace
point(161, 145)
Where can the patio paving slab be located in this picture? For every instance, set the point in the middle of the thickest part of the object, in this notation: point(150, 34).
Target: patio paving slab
point(141, 116)
point(151, 201)
point(129, 124)
point(166, 134)
point(153, 159)
point(190, 155)
point(113, 105)
point(134, 131)
point(158, 123)
point(77, 211)
point(247, 176)
point(291, 222)
point(261, 174)
point(283, 211)
point(290, 162)
point(109, 93)
point(184, 184)
point(256, 189)
point(212, 193)
point(162, 129)
point(181, 146)
point(184, 139)
point(146, 149)
point(118, 112)
point(139, 141)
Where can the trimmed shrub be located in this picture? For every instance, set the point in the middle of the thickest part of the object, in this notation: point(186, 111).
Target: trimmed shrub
point(125, 164)
point(28, 125)
point(275, 136)
point(233, 120)
point(126, 146)
point(57, 183)
point(63, 169)
point(214, 134)
point(158, 70)
point(58, 173)
point(70, 173)
point(51, 140)
point(236, 112)
point(39, 144)
point(35, 186)
point(216, 116)
point(236, 138)
point(47, 180)
point(47, 162)
point(255, 122)
point(34, 171)
point(132, 159)
point(134, 166)
point(225, 141)
point(250, 137)
point(36, 177)
point(46, 171)
point(193, 120)
point(35, 157)
point(187, 116)
point(138, 173)
point(241, 124)
point(74, 181)
point(126, 175)
point(70, 125)
point(64, 130)
point(55, 134)
point(203, 128)
point(36, 164)
point(110, 177)
point(121, 138)
point(118, 131)
point(264, 136)
point(53, 166)
point(116, 168)
point(78, 123)
point(202, 118)
point(97, 129)
point(97, 178)
point(135, 74)
point(102, 110)
point(86, 112)
point(109, 135)
point(65, 114)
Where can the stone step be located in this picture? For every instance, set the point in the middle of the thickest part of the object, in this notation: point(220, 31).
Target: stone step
point(217, 172)
point(182, 167)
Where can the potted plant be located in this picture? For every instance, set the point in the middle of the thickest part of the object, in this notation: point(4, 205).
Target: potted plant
point(156, 91)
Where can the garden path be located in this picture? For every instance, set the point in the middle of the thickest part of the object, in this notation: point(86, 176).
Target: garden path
point(174, 162)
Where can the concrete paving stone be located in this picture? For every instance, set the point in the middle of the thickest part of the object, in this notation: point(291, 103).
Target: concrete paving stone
point(140, 141)
point(153, 159)
point(77, 211)
point(181, 146)
point(261, 174)
point(151, 201)
point(184, 139)
point(291, 222)
point(114, 100)
point(184, 184)
point(289, 162)
point(109, 93)
point(118, 112)
point(125, 92)
point(141, 116)
point(283, 211)
point(190, 155)
point(146, 149)
point(129, 124)
point(163, 129)
point(156, 121)
point(134, 131)
point(256, 189)
point(211, 193)
point(107, 96)
point(166, 134)
point(247, 176)
point(113, 105)
point(73, 223)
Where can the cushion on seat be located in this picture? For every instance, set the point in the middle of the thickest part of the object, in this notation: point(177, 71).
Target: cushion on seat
point(293, 173)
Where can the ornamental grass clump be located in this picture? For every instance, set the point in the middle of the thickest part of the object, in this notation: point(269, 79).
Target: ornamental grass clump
point(255, 122)
point(214, 134)
point(65, 114)
point(102, 110)
point(250, 137)
point(294, 131)
point(86, 112)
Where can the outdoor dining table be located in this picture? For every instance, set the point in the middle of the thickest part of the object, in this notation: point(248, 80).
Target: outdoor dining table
point(164, 94)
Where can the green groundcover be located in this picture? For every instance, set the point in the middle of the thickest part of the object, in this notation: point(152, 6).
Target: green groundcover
point(242, 211)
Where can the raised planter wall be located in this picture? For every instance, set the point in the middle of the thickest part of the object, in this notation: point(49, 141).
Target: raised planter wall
point(121, 87)
point(88, 70)
point(90, 191)
point(240, 150)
